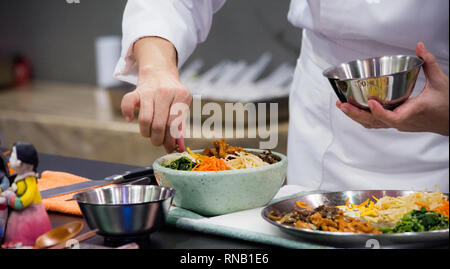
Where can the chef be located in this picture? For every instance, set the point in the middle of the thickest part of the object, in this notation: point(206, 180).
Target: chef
point(331, 146)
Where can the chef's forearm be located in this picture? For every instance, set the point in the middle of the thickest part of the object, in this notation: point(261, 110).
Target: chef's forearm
point(155, 55)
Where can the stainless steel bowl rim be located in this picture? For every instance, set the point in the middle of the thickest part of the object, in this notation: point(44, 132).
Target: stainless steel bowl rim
point(421, 62)
point(125, 204)
point(172, 191)
point(347, 233)
point(158, 166)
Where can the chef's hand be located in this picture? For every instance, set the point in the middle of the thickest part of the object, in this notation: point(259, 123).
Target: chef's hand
point(426, 112)
point(158, 90)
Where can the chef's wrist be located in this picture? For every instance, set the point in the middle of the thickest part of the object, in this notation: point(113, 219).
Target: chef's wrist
point(155, 56)
point(148, 72)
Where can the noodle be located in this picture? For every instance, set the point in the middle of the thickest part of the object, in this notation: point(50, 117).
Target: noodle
point(389, 210)
point(241, 160)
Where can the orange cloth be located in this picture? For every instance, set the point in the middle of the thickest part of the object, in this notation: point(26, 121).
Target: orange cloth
point(54, 179)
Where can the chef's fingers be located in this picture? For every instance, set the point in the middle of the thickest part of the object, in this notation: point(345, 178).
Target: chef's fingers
point(180, 144)
point(362, 117)
point(338, 104)
point(163, 98)
point(389, 117)
point(146, 112)
point(431, 67)
point(130, 101)
point(354, 113)
point(177, 119)
point(169, 142)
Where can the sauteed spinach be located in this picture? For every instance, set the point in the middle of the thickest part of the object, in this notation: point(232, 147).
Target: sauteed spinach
point(419, 221)
point(182, 163)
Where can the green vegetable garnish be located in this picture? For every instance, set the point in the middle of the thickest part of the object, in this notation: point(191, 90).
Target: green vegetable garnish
point(419, 221)
point(182, 163)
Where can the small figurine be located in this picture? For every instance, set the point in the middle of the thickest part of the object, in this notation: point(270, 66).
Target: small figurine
point(4, 185)
point(28, 218)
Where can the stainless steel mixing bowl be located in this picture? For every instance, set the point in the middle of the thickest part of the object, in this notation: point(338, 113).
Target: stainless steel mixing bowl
point(128, 210)
point(389, 79)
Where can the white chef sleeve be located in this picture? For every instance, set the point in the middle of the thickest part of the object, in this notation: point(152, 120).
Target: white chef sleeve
point(185, 23)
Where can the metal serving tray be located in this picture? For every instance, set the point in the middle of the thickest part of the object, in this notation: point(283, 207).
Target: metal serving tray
point(351, 240)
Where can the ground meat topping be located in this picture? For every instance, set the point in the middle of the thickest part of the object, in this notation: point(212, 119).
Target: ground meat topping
point(324, 218)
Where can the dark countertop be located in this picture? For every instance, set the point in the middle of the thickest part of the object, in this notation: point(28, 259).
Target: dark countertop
point(167, 238)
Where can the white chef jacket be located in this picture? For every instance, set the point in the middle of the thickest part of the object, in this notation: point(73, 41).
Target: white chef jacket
point(326, 149)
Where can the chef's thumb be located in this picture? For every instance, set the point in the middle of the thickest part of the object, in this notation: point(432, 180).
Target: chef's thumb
point(431, 67)
point(180, 142)
point(130, 101)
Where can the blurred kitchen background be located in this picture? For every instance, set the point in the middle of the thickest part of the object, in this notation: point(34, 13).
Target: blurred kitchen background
point(57, 90)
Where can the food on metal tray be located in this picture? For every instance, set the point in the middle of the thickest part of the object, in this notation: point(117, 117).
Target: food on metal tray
point(387, 211)
point(416, 212)
point(422, 220)
point(323, 218)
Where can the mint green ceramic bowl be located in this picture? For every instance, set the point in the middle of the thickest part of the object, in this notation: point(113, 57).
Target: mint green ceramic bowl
point(213, 193)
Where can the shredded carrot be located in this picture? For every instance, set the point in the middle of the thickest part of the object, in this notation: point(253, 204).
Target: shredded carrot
point(422, 205)
point(211, 164)
point(196, 156)
point(303, 205)
point(364, 203)
point(347, 204)
point(443, 209)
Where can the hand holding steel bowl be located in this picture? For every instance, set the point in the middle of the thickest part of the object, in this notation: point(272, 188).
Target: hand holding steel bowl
point(388, 79)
